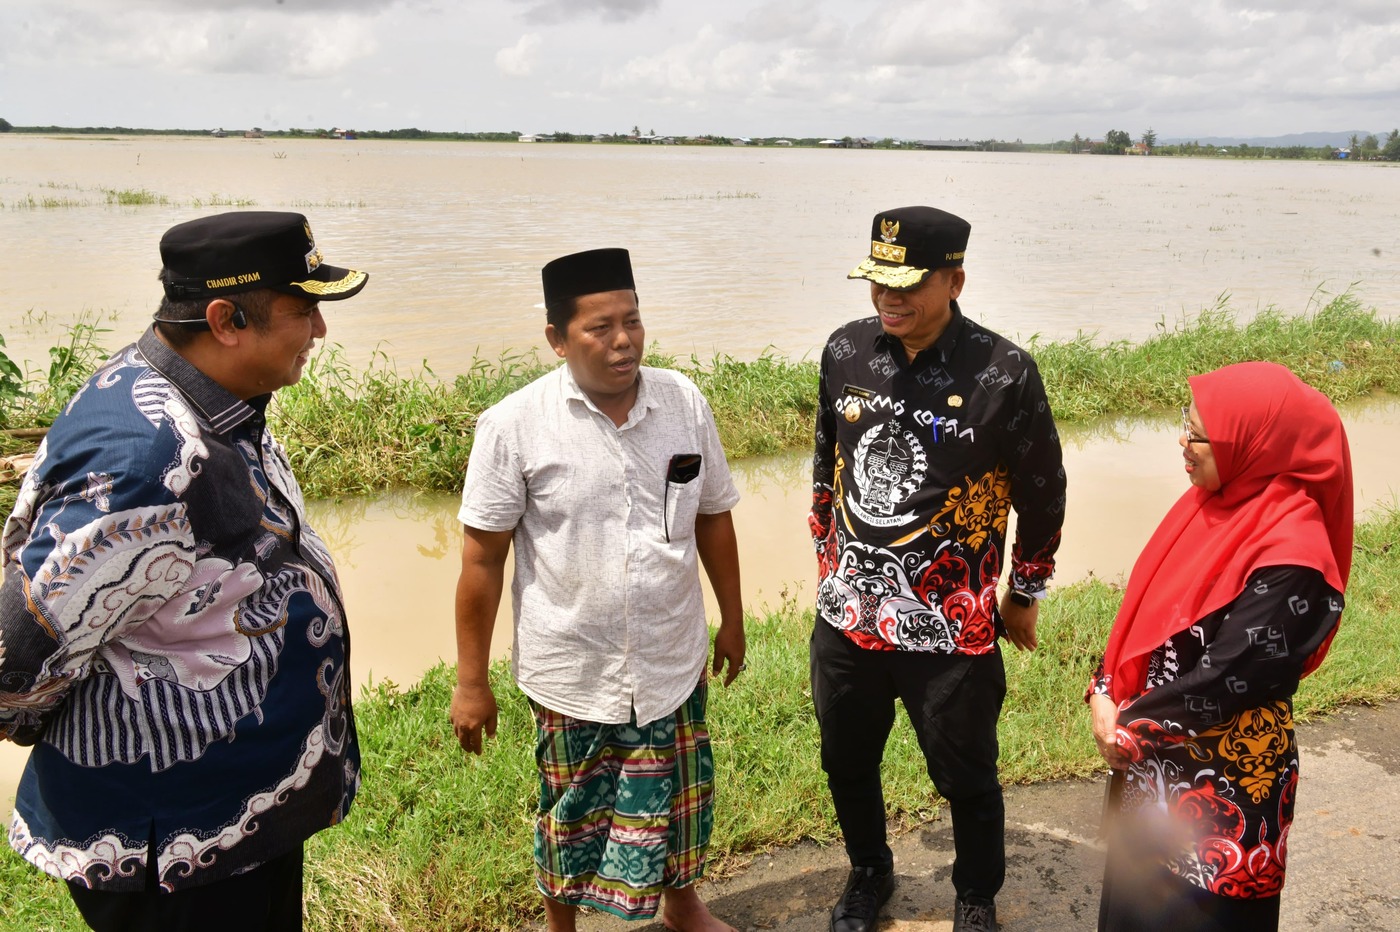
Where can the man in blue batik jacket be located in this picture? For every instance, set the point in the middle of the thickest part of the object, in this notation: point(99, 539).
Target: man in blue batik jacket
point(172, 635)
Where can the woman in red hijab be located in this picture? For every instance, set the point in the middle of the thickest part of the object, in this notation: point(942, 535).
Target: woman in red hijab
point(1236, 597)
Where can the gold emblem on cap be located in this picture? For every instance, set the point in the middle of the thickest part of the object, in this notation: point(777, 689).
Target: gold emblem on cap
point(853, 411)
point(889, 229)
point(886, 252)
point(955, 401)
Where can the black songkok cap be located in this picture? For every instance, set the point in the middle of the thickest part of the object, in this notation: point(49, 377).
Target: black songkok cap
point(588, 272)
point(908, 243)
point(247, 250)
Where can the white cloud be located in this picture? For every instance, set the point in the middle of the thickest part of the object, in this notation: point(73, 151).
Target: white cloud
point(1004, 68)
point(147, 36)
point(519, 59)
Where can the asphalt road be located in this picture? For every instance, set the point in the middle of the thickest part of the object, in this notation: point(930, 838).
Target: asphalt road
point(1343, 868)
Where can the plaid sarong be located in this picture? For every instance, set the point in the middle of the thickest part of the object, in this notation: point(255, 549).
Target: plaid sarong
point(624, 810)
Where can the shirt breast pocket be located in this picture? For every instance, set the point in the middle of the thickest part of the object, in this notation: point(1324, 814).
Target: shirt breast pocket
point(681, 500)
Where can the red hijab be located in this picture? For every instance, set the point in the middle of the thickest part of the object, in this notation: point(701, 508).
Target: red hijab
point(1284, 499)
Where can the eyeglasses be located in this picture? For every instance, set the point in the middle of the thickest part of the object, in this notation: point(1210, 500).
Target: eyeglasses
point(1187, 429)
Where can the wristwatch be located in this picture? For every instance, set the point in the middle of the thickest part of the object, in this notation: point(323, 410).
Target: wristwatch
point(1023, 599)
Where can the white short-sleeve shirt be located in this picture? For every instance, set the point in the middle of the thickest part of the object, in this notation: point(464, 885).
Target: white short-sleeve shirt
point(609, 614)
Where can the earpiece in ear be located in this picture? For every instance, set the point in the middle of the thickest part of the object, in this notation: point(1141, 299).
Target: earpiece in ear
point(239, 319)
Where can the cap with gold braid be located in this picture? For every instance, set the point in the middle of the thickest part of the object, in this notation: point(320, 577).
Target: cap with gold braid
point(246, 250)
point(908, 243)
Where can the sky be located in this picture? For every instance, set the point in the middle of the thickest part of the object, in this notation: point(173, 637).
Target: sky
point(1036, 70)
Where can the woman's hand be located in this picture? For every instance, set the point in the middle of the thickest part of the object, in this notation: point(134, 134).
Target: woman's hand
point(1105, 719)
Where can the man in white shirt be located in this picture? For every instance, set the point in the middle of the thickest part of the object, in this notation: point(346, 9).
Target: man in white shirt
point(609, 479)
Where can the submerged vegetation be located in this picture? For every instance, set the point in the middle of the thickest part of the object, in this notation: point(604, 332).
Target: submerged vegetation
point(116, 197)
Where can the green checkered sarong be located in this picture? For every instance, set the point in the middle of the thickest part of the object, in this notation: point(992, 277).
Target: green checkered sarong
point(625, 810)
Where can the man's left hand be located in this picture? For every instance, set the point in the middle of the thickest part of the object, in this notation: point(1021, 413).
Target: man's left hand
point(729, 648)
point(1020, 622)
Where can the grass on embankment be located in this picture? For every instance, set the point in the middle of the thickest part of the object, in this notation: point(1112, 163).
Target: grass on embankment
point(350, 432)
point(354, 431)
point(441, 841)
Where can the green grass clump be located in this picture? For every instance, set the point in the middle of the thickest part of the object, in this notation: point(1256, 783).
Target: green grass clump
point(134, 197)
point(351, 431)
point(357, 431)
point(1343, 350)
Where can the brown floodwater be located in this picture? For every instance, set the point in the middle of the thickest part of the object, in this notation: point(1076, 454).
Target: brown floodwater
point(398, 554)
point(736, 249)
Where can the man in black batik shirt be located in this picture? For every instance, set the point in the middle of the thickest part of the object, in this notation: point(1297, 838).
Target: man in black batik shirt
point(930, 430)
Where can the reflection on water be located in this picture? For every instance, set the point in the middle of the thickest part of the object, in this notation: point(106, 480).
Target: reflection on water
point(398, 554)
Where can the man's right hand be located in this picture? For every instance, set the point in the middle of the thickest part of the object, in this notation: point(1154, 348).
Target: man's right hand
point(473, 711)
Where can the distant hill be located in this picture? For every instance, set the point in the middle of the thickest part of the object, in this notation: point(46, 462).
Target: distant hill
point(1339, 139)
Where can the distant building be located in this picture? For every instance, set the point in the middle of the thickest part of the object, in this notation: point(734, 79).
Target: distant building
point(830, 143)
point(740, 141)
point(782, 142)
point(528, 137)
point(945, 144)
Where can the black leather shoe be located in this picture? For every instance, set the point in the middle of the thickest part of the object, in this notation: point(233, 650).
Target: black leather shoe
point(867, 889)
point(975, 917)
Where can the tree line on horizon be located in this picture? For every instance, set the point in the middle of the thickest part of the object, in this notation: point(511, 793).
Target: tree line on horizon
point(1119, 142)
point(1114, 142)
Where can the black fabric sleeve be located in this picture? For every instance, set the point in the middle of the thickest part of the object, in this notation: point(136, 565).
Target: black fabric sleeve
point(1254, 652)
point(1036, 462)
point(823, 456)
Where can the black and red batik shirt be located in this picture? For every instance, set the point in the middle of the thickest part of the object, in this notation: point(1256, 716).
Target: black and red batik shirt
point(917, 468)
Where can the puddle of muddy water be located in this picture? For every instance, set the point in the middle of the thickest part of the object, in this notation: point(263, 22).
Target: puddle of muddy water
point(398, 554)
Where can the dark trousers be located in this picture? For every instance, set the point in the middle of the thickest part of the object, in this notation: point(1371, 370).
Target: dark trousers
point(265, 899)
point(953, 703)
